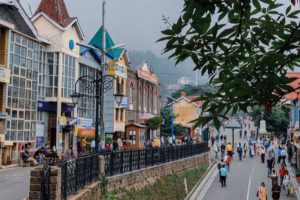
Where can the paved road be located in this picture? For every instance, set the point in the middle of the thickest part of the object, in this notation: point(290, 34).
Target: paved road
point(243, 179)
point(14, 183)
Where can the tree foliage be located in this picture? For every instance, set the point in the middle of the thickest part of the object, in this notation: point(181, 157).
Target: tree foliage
point(245, 46)
point(277, 121)
point(193, 90)
point(166, 127)
point(154, 123)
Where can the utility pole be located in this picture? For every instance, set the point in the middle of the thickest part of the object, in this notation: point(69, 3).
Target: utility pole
point(103, 71)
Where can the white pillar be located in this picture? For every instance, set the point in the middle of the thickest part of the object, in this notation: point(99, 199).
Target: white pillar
point(58, 108)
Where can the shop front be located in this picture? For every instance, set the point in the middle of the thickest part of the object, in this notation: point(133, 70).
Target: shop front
point(135, 136)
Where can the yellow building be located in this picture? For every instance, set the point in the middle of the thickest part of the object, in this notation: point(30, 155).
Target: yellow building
point(185, 111)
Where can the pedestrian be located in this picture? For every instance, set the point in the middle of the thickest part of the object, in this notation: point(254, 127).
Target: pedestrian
point(279, 155)
point(220, 165)
point(287, 183)
point(245, 148)
point(254, 149)
point(216, 150)
point(262, 154)
point(212, 139)
point(270, 166)
point(262, 193)
point(282, 172)
point(241, 133)
point(283, 156)
point(274, 177)
point(229, 149)
point(223, 173)
point(290, 152)
point(120, 144)
point(223, 147)
point(276, 191)
point(240, 151)
point(245, 134)
point(225, 138)
point(228, 161)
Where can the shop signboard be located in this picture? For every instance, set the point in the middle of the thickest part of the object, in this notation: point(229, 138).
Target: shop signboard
point(117, 69)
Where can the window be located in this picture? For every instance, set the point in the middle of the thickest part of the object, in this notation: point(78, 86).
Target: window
point(132, 135)
point(117, 114)
point(130, 96)
point(121, 115)
point(68, 75)
point(155, 101)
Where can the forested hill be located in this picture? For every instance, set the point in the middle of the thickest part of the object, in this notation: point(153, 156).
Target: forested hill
point(164, 68)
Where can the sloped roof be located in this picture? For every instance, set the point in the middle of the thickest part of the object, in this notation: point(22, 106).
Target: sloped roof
point(56, 10)
point(11, 11)
point(192, 98)
point(295, 84)
point(96, 41)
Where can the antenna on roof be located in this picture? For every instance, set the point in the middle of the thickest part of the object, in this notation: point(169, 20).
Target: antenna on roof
point(29, 6)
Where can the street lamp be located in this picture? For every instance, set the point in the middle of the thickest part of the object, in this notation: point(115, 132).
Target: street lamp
point(95, 85)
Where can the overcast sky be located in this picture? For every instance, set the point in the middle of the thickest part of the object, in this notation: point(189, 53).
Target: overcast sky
point(136, 23)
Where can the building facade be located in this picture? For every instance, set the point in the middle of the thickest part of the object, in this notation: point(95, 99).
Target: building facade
point(186, 110)
point(143, 97)
point(20, 52)
point(55, 108)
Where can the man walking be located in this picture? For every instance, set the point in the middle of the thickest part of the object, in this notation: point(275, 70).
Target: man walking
point(223, 147)
point(240, 151)
point(223, 173)
point(241, 133)
point(270, 166)
point(262, 154)
point(283, 156)
point(245, 148)
point(282, 172)
point(229, 149)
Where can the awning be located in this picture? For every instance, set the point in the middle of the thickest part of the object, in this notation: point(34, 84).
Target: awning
point(86, 132)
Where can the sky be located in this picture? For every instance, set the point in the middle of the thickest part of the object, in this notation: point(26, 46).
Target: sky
point(136, 23)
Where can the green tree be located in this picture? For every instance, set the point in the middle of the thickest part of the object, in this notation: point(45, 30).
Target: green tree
point(166, 127)
point(245, 46)
point(154, 123)
point(277, 121)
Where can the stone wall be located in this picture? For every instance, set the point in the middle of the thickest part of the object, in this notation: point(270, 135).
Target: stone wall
point(35, 183)
point(139, 179)
point(129, 181)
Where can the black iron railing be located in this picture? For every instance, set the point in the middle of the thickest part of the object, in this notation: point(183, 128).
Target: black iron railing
point(126, 161)
point(75, 174)
point(45, 182)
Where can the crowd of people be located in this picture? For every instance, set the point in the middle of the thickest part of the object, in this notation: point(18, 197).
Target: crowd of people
point(41, 155)
point(270, 151)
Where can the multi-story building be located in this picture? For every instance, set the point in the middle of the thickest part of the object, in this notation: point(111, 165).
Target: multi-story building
point(57, 77)
point(143, 97)
point(114, 115)
point(186, 110)
point(293, 99)
point(20, 58)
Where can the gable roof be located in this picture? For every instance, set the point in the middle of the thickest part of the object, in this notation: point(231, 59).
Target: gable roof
point(56, 12)
point(96, 41)
point(189, 99)
point(295, 84)
point(12, 12)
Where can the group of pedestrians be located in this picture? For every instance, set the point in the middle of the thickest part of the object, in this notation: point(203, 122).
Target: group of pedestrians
point(280, 180)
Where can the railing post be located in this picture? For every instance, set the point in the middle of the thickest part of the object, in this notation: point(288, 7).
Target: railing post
point(130, 160)
point(111, 168)
point(146, 157)
point(152, 152)
point(122, 163)
point(139, 156)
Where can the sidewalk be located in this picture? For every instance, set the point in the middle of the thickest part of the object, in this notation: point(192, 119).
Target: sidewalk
point(294, 180)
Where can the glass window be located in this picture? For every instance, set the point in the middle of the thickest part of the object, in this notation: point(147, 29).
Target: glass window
point(13, 124)
point(15, 92)
point(20, 136)
point(14, 114)
point(27, 115)
point(21, 103)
